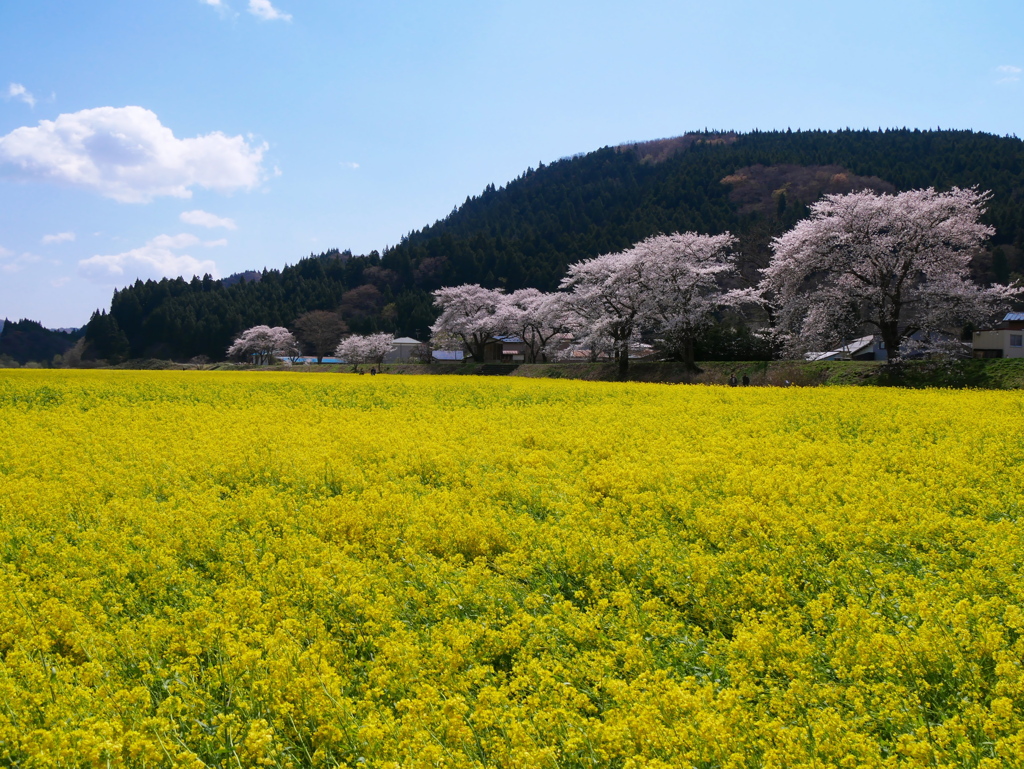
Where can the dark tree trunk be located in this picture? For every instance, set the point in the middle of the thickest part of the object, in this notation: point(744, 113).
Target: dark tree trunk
point(476, 349)
point(624, 360)
point(687, 351)
point(891, 339)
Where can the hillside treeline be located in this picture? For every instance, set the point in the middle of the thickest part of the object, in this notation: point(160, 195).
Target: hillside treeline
point(27, 341)
point(755, 185)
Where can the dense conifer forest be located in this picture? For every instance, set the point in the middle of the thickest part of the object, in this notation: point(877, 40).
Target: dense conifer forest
point(755, 185)
point(26, 340)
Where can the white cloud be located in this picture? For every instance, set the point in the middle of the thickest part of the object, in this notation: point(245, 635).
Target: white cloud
point(350, 164)
point(204, 219)
point(1009, 73)
point(184, 240)
point(60, 237)
point(125, 153)
point(18, 91)
point(215, 243)
point(157, 259)
point(264, 10)
point(61, 281)
point(17, 265)
point(223, 8)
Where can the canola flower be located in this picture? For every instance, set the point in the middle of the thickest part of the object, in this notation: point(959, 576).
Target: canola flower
point(305, 570)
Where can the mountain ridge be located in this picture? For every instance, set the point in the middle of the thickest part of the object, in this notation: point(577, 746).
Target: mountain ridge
point(526, 232)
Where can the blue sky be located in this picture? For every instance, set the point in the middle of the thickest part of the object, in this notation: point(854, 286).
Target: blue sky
point(141, 138)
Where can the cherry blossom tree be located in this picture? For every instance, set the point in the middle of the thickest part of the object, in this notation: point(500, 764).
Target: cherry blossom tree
point(533, 316)
point(683, 274)
point(468, 312)
point(365, 349)
point(608, 297)
point(667, 284)
point(441, 340)
point(898, 264)
point(583, 339)
point(261, 344)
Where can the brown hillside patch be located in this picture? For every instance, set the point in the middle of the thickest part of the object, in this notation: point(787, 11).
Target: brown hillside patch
point(757, 188)
point(659, 150)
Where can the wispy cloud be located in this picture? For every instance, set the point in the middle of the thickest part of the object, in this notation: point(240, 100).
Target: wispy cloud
point(156, 259)
point(350, 164)
point(60, 237)
point(223, 8)
point(4, 252)
point(1007, 73)
point(61, 281)
point(215, 243)
point(263, 9)
point(12, 265)
point(20, 92)
point(204, 219)
point(125, 153)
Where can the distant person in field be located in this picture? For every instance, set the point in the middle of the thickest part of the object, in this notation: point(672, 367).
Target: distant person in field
point(746, 380)
point(732, 380)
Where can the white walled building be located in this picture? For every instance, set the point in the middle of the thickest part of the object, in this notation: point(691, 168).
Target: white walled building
point(1006, 340)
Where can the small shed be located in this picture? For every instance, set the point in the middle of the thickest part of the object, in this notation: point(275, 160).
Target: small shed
point(402, 350)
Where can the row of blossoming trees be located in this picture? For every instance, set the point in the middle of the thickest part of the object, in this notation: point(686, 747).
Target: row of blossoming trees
point(669, 285)
point(264, 344)
point(895, 265)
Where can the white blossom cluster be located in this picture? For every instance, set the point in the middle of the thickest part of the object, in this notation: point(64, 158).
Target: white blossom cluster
point(365, 349)
point(471, 315)
point(898, 265)
point(261, 344)
point(668, 284)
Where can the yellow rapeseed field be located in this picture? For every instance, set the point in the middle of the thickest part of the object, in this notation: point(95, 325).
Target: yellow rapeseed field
point(289, 570)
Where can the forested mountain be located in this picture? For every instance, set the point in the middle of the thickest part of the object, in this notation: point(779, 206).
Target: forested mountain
point(755, 185)
point(26, 340)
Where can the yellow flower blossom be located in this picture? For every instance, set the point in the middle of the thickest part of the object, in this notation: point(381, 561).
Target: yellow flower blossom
point(304, 570)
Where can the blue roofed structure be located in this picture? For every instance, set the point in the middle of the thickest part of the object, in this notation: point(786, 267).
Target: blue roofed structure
point(448, 356)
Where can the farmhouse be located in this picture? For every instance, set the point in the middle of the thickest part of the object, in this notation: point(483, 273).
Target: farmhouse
point(1006, 340)
point(504, 349)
